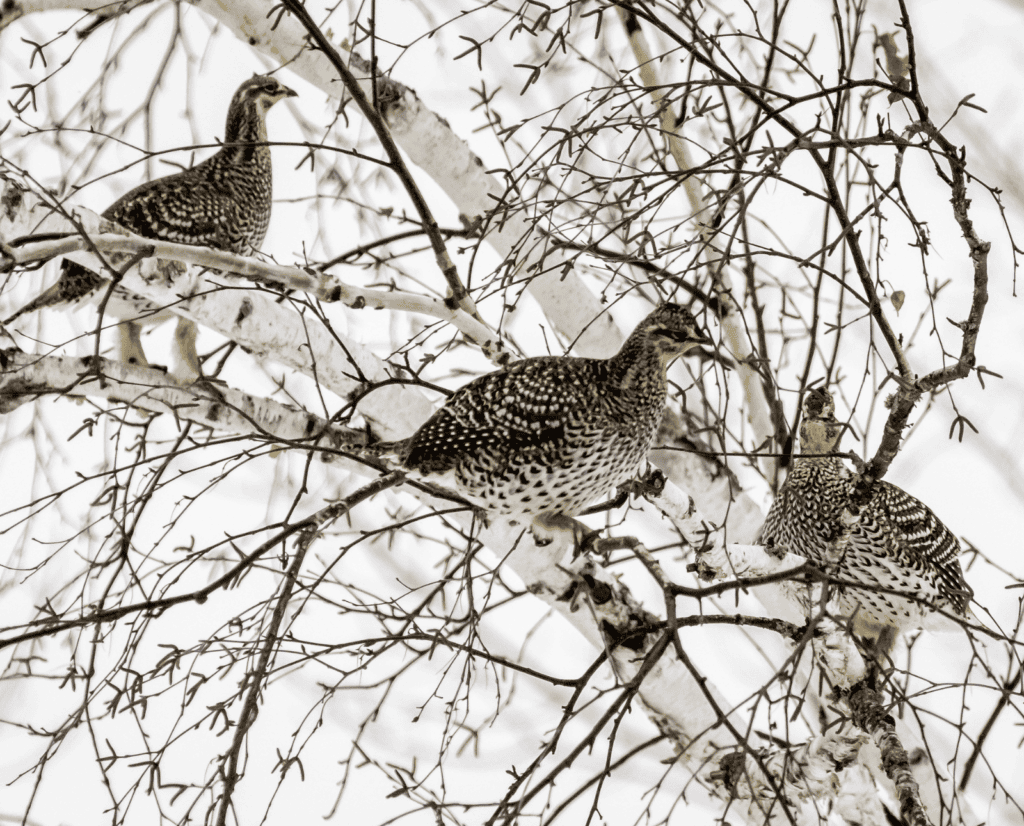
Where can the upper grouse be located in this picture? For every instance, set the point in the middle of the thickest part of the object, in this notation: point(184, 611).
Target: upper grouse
point(223, 202)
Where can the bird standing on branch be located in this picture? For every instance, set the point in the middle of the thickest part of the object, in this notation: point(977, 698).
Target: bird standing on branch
point(544, 437)
point(223, 202)
point(902, 554)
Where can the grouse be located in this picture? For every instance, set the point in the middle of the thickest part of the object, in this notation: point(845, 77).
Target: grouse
point(896, 564)
point(546, 436)
point(223, 202)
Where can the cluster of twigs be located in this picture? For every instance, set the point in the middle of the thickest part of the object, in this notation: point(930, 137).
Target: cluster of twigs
point(654, 183)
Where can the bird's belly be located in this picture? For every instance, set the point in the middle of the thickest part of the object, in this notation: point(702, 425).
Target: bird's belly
point(893, 594)
point(534, 485)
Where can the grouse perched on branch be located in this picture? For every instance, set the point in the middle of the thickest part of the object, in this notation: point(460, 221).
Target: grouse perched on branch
point(898, 549)
point(546, 436)
point(223, 202)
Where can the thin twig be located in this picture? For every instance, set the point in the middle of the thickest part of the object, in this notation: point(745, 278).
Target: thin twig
point(459, 296)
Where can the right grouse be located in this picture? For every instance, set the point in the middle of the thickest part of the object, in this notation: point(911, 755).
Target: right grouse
point(902, 553)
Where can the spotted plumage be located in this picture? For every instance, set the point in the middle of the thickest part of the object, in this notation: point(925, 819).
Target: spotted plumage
point(548, 435)
point(223, 202)
point(898, 544)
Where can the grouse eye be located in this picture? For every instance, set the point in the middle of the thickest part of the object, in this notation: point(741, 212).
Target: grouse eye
point(676, 335)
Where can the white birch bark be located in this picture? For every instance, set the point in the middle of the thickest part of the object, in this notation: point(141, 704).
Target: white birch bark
point(431, 145)
point(677, 702)
point(690, 710)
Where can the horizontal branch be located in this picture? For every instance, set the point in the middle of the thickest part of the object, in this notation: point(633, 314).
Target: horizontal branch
point(25, 377)
point(110, 239)
point(544, 570)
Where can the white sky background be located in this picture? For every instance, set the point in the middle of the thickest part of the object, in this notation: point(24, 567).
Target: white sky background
point(976, 486)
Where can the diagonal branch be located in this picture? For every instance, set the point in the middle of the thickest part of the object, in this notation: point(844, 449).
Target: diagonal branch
point(459, 297)
point(228, 768)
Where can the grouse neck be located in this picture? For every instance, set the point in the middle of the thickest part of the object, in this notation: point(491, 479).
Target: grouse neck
point(246, 132)
point(829, 463)
point(638, 367)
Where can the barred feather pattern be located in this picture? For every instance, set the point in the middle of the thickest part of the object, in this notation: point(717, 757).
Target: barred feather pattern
point(897, 545)
point(223, 202)
point(549, 435)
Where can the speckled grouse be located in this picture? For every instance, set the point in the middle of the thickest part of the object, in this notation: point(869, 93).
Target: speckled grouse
point(898, 545)
point(546, 436)
point(223, 202)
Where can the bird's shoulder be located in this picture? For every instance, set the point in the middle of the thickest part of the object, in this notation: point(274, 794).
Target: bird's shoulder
point(537, 386)
point(527, 406)
point(186, 207)
point(911, 524)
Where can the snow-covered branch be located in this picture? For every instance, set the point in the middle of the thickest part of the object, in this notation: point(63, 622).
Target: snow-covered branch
point(25, 377)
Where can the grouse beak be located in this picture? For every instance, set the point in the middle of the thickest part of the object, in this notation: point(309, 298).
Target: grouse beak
point(698, 336)
point(695, 343)
point(692, 338)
